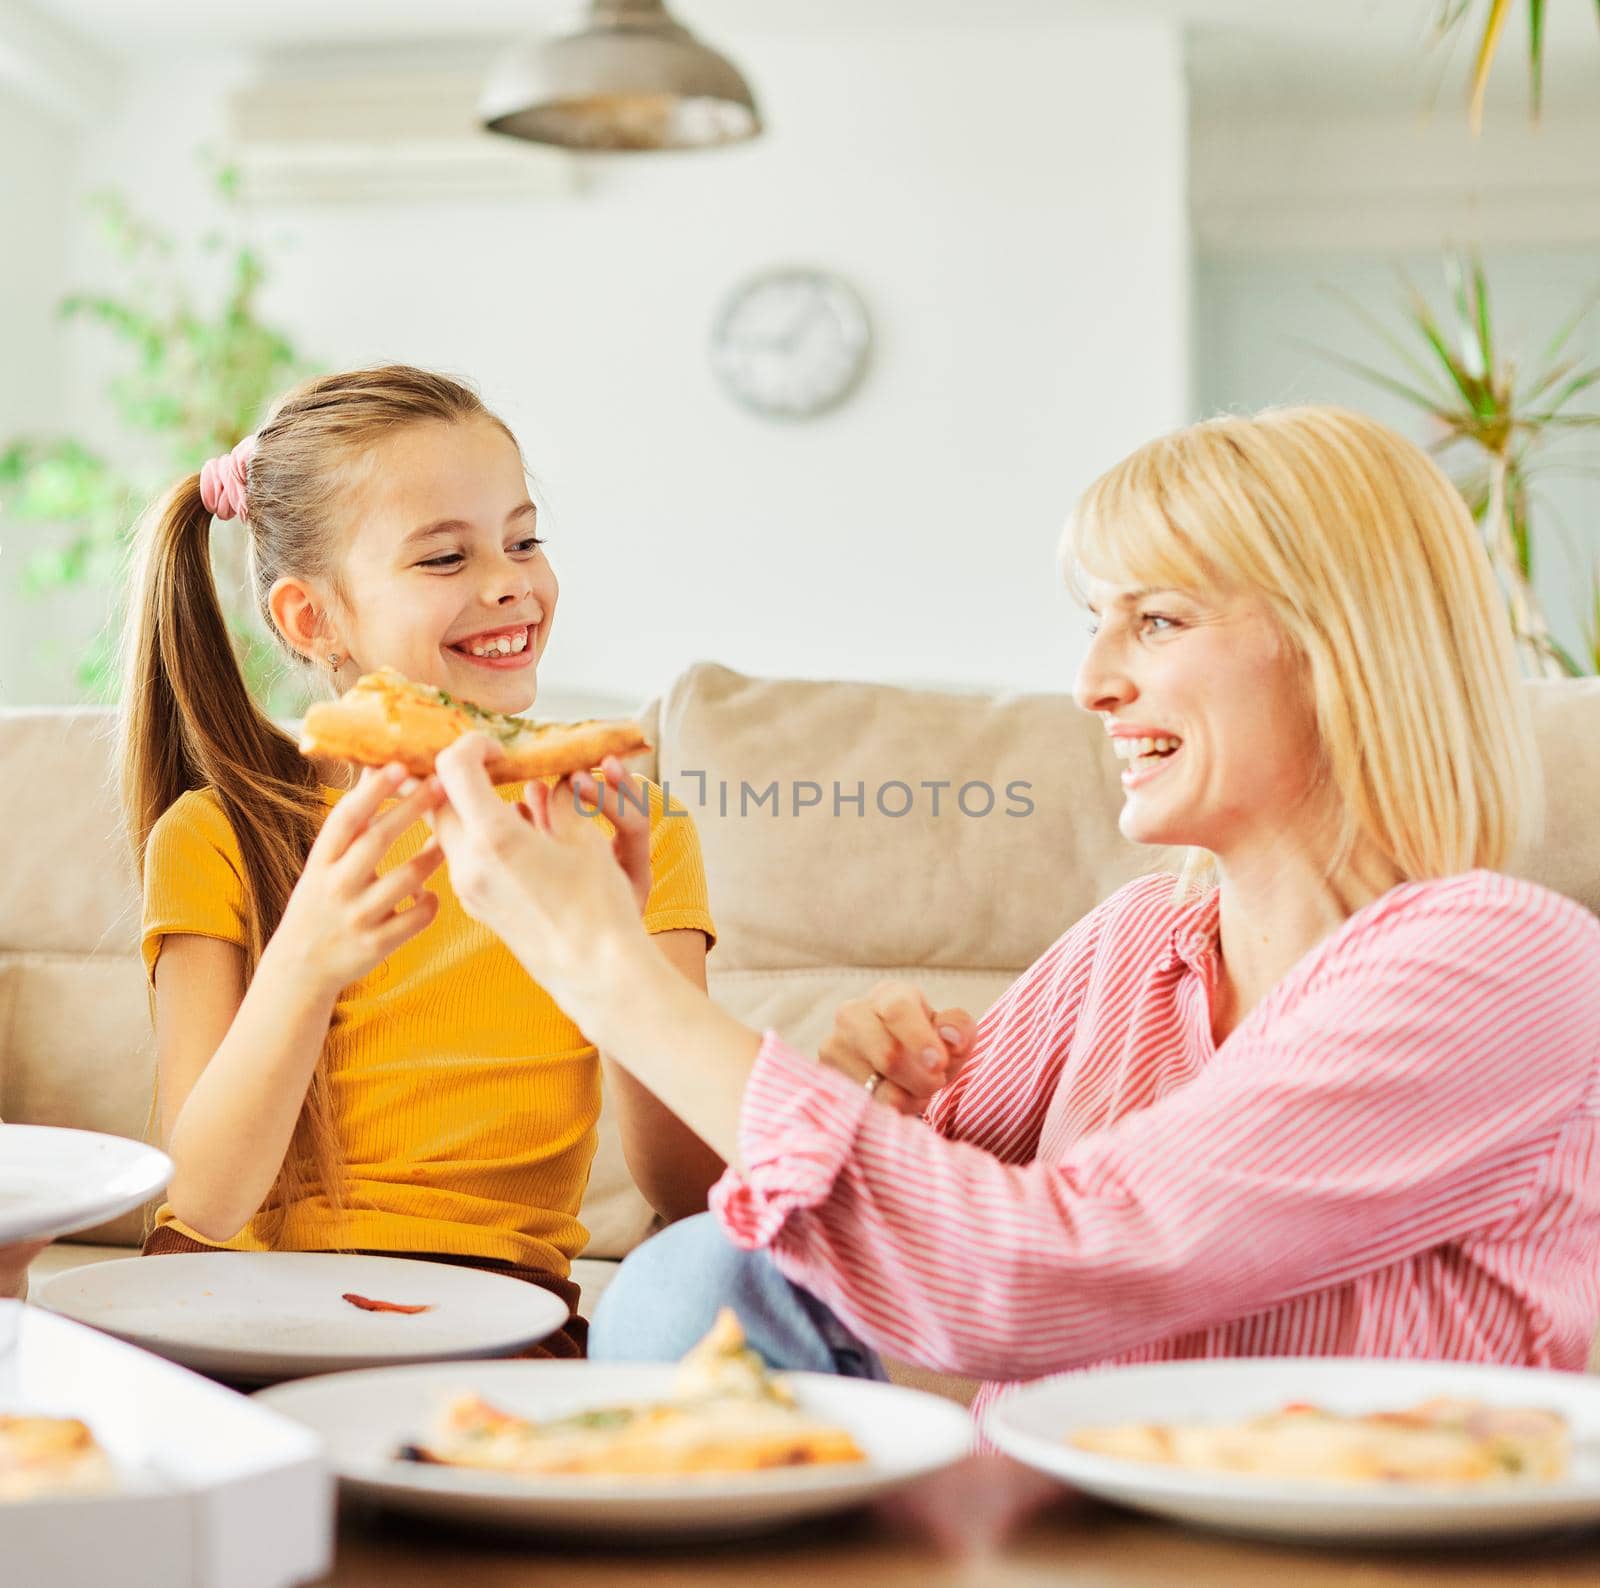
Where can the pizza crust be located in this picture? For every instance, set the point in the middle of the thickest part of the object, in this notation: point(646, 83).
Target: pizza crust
point(660, 1441)
point(1444, 1440)
point(42, 1457)
point(726, 1414)
point(386, 717)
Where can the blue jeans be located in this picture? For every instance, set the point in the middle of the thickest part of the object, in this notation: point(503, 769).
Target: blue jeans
point(668, 1292)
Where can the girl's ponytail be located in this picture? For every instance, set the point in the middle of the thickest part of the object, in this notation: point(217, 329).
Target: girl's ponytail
point(188, 722)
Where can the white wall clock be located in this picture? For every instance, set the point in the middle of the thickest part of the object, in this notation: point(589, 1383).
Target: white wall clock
point(791, 344)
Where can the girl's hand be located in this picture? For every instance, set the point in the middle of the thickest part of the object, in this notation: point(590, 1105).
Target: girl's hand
point(343, 919)
point(544, 878)
point(895, 1031)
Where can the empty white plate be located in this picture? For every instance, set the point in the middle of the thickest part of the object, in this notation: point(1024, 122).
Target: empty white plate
point(364, 1419)
point(55, 1181)
point(257, 1317)
point(1033, 1424)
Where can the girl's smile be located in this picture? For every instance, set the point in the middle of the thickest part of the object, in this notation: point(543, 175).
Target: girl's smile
point(506, 649)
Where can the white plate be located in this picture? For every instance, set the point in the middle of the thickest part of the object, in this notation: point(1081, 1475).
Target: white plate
point(257, 1317)
point(209, 1489)
point(364, 1418)
point(1032, 1423)
point(56, 1182)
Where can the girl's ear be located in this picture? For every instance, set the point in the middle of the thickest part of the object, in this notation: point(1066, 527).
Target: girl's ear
point(300, 616)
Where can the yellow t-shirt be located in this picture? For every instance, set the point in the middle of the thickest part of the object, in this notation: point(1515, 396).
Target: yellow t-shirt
point(465, 1101)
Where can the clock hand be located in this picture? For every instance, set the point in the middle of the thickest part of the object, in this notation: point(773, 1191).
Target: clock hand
point(756, 343)
point(796, 332)
point(786, 340)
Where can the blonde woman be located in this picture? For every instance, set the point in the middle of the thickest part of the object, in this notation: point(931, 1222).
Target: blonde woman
point(1337, 1092)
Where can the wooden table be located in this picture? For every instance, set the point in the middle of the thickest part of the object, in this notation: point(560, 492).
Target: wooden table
point(988, 1523)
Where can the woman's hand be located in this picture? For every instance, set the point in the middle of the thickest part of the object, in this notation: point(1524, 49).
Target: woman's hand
point(343, 919)
point(896, 1032)
point(548, 881)
point(621, 798)
point(545, 879)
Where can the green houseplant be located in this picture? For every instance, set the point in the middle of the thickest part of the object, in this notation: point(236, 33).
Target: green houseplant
point(1498, 428)
point(191, 381)
point(1489, 18)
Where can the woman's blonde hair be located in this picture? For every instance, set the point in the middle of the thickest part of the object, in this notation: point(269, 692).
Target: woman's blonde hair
point(1373, 569)
point(189, 722)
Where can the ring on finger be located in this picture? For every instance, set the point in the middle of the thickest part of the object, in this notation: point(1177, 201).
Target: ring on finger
point(874, 1081)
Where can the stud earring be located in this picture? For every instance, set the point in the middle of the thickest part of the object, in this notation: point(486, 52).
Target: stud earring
point(334, 659)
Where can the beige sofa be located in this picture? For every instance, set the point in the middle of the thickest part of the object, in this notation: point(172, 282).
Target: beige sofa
point(819, 885)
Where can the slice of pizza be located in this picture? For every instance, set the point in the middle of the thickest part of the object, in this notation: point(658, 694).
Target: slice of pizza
point(386, 717)
point(1445, 1440)
point(41, 1457)
point(726, 1413)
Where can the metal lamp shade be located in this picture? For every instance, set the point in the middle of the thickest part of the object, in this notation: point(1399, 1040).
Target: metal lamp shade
point(631, 78)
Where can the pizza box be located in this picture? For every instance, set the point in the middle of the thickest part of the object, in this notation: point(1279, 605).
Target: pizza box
point(212, 1490)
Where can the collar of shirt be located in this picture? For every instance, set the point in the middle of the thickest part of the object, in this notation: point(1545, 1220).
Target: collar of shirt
point(1193, 937)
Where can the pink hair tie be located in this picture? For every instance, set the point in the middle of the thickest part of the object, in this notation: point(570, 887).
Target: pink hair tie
point(223, 481)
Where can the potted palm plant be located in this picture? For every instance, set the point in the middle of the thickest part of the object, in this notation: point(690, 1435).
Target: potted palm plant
point(1497, 428)
point(1490, 18)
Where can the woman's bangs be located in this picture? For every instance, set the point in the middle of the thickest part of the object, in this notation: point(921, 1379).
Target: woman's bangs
point(1121, 534)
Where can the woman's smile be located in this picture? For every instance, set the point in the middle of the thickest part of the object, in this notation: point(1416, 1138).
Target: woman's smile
point(1152, 765)
point(1146, 750)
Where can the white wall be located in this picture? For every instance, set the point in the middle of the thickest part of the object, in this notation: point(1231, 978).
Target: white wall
point(35, 180)
point(1320, 179)
point(1010, 201)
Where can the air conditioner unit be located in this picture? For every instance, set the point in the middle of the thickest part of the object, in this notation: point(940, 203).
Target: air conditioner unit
point(391, 135)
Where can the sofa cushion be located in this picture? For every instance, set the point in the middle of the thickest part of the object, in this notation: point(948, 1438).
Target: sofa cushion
point(68, 885)
point(798, 786)
point(804, 881)
point(78, 1052)
point(1566, 854)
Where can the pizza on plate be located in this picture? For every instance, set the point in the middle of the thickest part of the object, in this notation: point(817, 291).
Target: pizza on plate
point(41, 1457)
point(386, 717)
point(725, 1414)
point(1443, 1440)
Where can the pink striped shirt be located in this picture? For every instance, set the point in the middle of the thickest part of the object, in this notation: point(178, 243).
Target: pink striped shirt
point(1396, 1153)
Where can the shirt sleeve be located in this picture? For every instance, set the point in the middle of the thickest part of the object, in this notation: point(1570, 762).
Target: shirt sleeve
point(678, 897)
point(999, 1100)
point(193, 878)
point(1409, 1096)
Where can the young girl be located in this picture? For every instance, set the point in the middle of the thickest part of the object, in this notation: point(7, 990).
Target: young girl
point(346, 1061)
